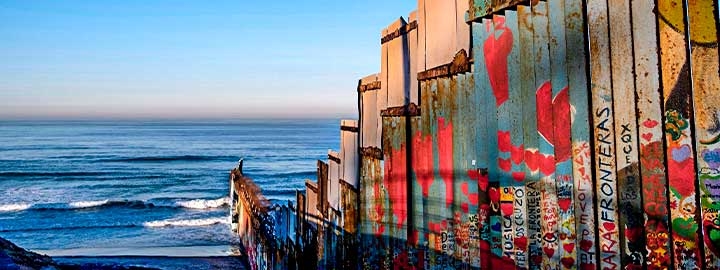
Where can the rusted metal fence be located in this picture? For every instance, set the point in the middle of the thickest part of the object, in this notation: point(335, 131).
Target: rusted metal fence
point(576, 134)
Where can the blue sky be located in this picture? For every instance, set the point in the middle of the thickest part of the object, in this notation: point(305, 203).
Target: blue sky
point(188, 59)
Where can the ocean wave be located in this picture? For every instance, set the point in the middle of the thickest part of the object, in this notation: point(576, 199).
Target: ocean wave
point(80, 227)
point(187, 222)
point(297, 174)
point(168, 158)
point(135, 204)
point(204, 204)
point(50, 174)
point(14, 207)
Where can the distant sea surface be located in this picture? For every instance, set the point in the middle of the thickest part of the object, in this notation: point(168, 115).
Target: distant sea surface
point(145, 188)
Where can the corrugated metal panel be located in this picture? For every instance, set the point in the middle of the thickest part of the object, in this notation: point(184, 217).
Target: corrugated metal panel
point(581, 149)
point(334, 169)
point(349, 152)
point(562, 135)
point(395, 179)
point(369, 112)
point(414, 56)
point(632, 244)
point(485, 109)
point(439, 23)
point(706, 83)
point(530, 138)
point(652, 150)
point(396, 63)
point(676, 89)
point(545, 127)
point(604, 134)
point(373, 218)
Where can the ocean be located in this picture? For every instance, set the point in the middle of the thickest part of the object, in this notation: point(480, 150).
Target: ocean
point(155, 188)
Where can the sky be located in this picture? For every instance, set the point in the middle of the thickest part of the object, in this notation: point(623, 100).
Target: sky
point(177, 59)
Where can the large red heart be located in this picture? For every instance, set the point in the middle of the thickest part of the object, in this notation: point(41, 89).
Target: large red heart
point(521, 243)
point(569, 247)
point(496, 51)
point(544, 111)
point(562, 126)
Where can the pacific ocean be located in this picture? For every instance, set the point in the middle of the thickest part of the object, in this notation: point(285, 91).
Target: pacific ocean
point(157, 188)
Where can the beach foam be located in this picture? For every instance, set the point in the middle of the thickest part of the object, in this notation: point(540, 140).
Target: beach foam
point(204, 204)
point(14, 207)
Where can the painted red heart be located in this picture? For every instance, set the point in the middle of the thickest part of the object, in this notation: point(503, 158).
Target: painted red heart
point(494, 195)
point(516, 154)
point(562, 126)
point(544, 112)
point(587, 266)
point(564, 204)
point(532, 160)
point(483, 181)
point(647, 136)
point(506, 208)
point(504, 141)
point(569, 247)
point(521, 243)
point(633, 233)
point(547, 164)
point(496, 50)
point(650, 123)
point(568, 262)
point(609, 226)
point(536, 259)
point(518, 176)
point(549, 251)
point(504, 164)
point(586, 245)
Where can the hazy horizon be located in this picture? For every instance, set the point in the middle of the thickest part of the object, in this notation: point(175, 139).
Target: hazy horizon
point(188, 60)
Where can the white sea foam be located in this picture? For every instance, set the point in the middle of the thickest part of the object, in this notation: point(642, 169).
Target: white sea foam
point(204, 204)
point(14, 207)
point(87, 204)
point(187, 222)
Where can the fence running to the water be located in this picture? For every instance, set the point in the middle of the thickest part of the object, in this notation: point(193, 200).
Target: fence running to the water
point(577, 134)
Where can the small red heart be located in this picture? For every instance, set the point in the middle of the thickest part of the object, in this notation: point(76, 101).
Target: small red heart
point(549, 251)
point(650, 123)
point(564, 204)
point(504, 164)
point(586, 245)
point(521, 243)
point(506, 208)
point(518, 176)
point(516, 153)
point(494, 195)
point(647, 136)
point(569, 247)
point(531, 160)
point(568, 262)
point(483, 181)
point(548, 164)
point(609, 226)
point(504, 141)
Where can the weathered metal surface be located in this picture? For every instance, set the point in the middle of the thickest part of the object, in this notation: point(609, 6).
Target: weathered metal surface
point(706, 83)
point(374, 245)
point(562, 135)
point(515, 153)
point(323, 187)
point(459, 64)
point(581, 149)
point(604, 136)
point(676, 89)
point(414, 55)
point(445, 32)
point(395, 180)
point(396, 65)
point(408, 110)
point(632, 240)
point(485, 109)
point(334, 169)
point(530, 138)
point(479, 9)
point(368, 107)
point(545, 127)
point(349, 152)
point(652, 170)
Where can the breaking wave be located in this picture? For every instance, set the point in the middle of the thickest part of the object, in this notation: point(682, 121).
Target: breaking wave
point(136, 204)
point(187, 222)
